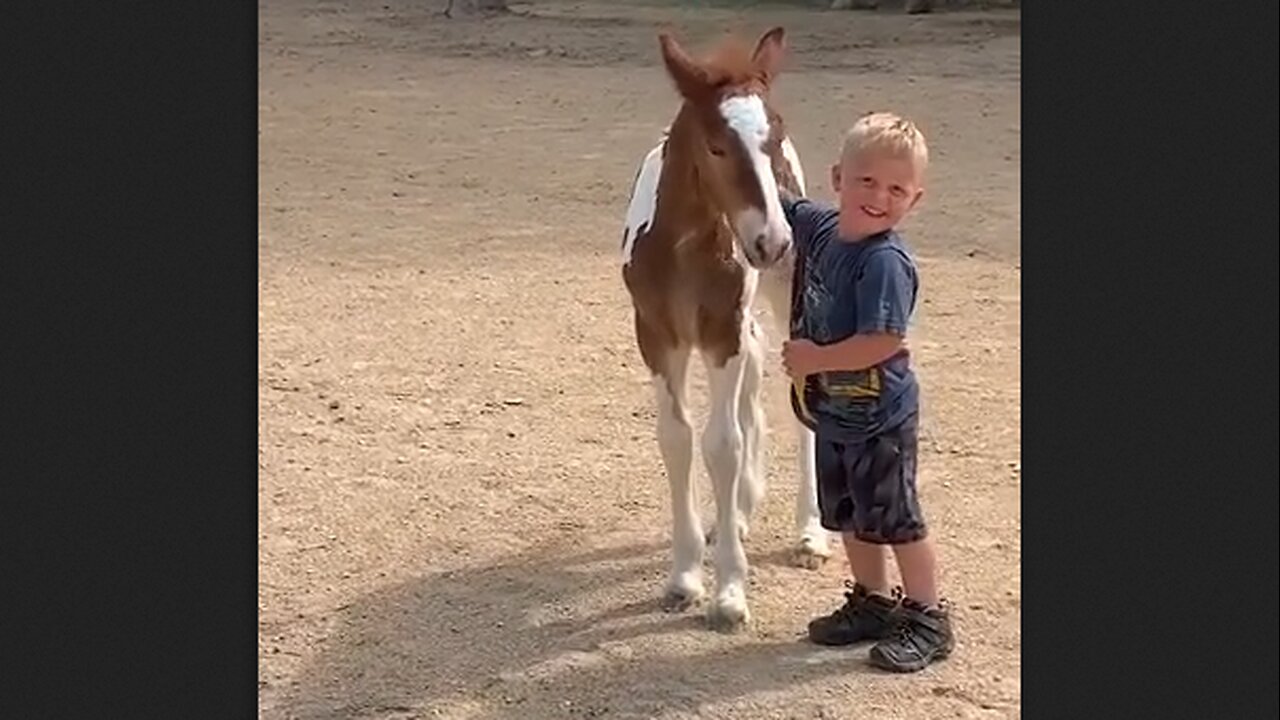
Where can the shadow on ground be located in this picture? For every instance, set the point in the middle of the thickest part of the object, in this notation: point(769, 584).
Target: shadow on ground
point(543, 635)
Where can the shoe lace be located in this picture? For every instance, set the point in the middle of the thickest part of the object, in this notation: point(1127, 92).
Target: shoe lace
point(853, 606)
point(906, 630)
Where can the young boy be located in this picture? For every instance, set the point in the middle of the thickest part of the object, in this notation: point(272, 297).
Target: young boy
point(854, 292)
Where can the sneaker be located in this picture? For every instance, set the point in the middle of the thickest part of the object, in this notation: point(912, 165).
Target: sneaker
point(923, 636)
point(862, 617)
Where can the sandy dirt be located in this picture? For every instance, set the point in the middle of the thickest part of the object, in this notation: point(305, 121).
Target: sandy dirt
point(462, 509)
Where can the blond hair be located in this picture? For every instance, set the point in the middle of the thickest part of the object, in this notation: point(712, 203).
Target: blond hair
point(887, 132)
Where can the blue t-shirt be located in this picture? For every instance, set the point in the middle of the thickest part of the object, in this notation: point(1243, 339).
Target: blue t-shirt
point(842, 289)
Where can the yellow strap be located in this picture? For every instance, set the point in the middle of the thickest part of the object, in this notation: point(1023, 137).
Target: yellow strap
point(797, 387)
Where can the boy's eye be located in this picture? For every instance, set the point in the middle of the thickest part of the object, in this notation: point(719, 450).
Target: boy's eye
point(866, 181)
point(897, 191)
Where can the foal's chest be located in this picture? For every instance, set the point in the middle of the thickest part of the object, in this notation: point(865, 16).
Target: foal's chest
point(693, 287)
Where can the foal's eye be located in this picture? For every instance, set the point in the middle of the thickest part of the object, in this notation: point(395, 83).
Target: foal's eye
point(717, 151)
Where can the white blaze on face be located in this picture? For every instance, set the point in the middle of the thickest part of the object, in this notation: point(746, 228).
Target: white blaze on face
point(644, 200)
point(746, 117)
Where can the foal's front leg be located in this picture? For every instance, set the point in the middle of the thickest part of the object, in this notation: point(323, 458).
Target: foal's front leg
point(723, 453)
point(751, 419)
point(675, 439)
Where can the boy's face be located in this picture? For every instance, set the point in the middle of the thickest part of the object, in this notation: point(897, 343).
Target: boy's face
point(876, 191)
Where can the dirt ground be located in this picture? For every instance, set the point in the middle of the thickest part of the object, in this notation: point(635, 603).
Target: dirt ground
point(462, 509)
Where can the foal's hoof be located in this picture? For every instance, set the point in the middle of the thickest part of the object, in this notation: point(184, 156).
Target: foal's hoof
point(810, 553)
point(676, 600)
point(727, 617)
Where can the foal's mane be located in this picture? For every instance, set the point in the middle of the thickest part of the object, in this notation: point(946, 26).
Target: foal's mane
point(730, 63)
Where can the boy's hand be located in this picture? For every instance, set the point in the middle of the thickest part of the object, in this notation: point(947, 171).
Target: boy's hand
point(801, 358)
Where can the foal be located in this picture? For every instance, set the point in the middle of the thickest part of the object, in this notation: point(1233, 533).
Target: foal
point(704, 221)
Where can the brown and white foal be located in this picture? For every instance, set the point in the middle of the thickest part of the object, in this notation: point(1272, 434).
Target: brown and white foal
point(703, 229)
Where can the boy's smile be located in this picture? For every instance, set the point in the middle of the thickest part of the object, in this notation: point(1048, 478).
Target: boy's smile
point(876, 191)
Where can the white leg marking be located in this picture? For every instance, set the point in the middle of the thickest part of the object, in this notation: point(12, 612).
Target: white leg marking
point(675, 439)
point(644, 200)
point(751, 419)
point(813, 545)
point(722, 451)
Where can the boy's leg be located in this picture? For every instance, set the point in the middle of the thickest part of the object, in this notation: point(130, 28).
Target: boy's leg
point(867, 561)
point(888, 511)
point(918, 566)
point(868, 611)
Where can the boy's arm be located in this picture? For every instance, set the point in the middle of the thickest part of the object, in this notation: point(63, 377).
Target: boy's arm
point(859, 352)
point(789, 204)
point(883, 294)
point(787, 197)
point(801, 214)
point(856, 352)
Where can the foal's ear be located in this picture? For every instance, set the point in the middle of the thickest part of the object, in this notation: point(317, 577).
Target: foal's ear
point(769, 52)
point(690, 77)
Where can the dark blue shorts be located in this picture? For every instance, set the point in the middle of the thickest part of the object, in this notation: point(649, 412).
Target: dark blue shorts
point(869, 488)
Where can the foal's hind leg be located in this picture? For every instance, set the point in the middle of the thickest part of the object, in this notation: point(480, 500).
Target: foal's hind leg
point(675, 438)
point(814, 544)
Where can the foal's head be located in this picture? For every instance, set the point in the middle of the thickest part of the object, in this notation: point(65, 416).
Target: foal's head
point(738, 137)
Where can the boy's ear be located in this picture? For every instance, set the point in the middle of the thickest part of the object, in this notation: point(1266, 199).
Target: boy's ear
point(835, 178)
point(915, 200)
